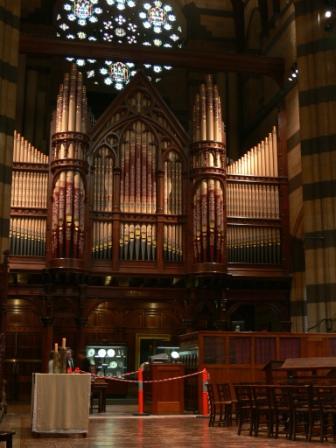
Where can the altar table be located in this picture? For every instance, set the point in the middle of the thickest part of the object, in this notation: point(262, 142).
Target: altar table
point(60, 403)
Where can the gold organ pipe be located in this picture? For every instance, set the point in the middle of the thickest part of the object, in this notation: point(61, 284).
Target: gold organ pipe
point(76, 214)
point(199, 223)
point(143, 177)
point(153, 242)
point(194, 122)
point(55, 212)
point(203, 113)
point(179, 188)
point(212, 221)
point(276, 200)
point(132, 177)
point(20, 183)
point(110, 190)
point(154, 182)
point(59, 109)
point(275, 151)
point(219, 220)
point(149, 242)
point(217, 115)
point(131, 241)
point(79, 105)
point(149, 177)
point(125, 234)
point(166, 187)
point(204, 218)
point(69, 210)
point(210, 112)
point(138, 170)
point(127, 172)
point(172, 184)
point(81, 218)
point(122, 178)
point(137, 240)
point(271, 154)
point(198, 118)
point(169, 243)
point(267, 158)
point(264, 158)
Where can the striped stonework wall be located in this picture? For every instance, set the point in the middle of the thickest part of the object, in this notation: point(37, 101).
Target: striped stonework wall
point(316, 51)
point(296, 228)
point(9, 41)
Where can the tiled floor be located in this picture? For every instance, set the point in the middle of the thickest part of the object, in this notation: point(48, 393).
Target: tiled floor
point(118, 428)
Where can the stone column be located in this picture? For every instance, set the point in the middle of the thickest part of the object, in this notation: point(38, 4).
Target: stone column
point(316, 52)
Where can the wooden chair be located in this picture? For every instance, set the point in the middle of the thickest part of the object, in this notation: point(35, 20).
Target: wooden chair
point(303, 411)
point(98, 393)
point(262, 396)
point(214, 406)
point(7, 436)
point(245, 411)
point(324, 397)
point(226, 403)
point(282, 411)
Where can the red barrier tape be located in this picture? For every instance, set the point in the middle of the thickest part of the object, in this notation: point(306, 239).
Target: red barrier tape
point(140, 381)
point(117, 378)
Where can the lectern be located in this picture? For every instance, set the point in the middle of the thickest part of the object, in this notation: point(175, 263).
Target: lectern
point(164, 397)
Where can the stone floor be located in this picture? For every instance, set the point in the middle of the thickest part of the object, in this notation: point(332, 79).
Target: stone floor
point(118, 428)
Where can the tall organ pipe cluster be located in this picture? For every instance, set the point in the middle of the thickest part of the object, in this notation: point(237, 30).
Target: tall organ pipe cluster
point(253, 194)
point(69, 169)
point(208, 176)
point(28, 199)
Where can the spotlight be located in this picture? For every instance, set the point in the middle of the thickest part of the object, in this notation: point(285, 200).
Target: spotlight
point(294, 73)
point(328, 14)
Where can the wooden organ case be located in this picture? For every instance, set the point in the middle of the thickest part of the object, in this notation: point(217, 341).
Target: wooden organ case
point(130, 210)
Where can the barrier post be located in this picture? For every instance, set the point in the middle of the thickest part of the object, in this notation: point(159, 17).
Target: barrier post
point(140, 391)
point(205, 402)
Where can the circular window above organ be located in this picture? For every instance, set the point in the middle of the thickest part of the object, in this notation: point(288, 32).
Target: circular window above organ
point(153, 23)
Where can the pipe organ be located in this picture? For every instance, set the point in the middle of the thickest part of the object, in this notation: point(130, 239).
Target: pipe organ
point(125, 194)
